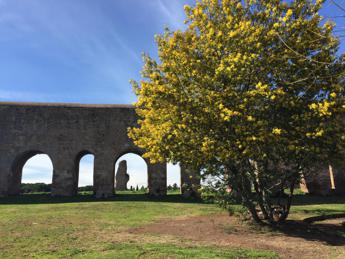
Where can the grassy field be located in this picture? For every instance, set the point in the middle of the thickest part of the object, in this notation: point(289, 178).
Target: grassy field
point(36, 225)
point(309, 206)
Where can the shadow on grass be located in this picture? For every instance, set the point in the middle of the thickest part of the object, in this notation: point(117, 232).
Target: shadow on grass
point(310, 228)
point(331, 234)
point(306, 199)
point(48, 199)
point(36, 198)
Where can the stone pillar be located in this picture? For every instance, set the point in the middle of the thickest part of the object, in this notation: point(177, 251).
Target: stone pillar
point(14, 179)
point(318, 181)
point(190, 182)
point(103, 176)
point(4, 180)
point(324, 180)
point(4, 170)
point(65, 176)
point(157, 175)
point(122, 177)
point(15, 170)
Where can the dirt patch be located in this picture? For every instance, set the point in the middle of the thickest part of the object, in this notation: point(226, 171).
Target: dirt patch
point(340, 221)
point(296, 240)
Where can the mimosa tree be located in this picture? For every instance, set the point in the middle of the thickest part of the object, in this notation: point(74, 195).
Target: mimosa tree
point(252, 92)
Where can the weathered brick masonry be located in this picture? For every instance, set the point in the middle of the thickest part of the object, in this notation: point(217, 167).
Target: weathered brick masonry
point(66, 132)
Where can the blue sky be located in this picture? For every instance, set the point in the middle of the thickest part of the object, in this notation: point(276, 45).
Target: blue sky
point(78, 50)
point(85, 51)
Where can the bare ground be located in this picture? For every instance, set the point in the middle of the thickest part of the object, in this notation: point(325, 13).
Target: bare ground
point(295, 240)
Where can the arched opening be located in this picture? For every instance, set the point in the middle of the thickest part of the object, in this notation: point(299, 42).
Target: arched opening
point(85, 167)
point(173, 178)
point(33, 173)
point(136, 169)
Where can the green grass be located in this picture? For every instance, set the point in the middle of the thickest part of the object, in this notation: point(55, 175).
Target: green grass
point(126, 250)
point(305, 205)
point(37, 225)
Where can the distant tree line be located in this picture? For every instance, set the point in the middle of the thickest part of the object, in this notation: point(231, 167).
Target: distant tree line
point(43, 187)
point(87, 188)
point(137, 189)
point(35, 187)
point(173, 187)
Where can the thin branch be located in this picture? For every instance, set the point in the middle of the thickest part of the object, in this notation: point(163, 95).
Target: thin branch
point(298, 81)
point(338, 5)
point(298, 54)
point(316, 33)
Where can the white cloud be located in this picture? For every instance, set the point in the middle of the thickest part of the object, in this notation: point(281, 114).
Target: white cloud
point(71, 32)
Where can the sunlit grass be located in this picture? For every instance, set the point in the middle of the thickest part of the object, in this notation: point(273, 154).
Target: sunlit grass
point(83, 226)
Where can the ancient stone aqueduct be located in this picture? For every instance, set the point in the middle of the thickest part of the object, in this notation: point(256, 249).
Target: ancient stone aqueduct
point(66, 132)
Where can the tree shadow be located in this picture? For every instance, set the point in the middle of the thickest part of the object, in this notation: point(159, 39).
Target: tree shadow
point(48, 199)
point(308, 199)
point(331, 234)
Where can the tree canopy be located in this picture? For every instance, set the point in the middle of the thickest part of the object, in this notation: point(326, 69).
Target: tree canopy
point(251, 91)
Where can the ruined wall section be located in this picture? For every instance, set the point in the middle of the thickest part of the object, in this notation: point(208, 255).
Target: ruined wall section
point(326, 180)
point(64, 131)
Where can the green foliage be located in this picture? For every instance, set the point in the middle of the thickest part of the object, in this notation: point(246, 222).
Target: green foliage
point(45, 188)
point(88, 188)
point(35, 187)
point(173, 187)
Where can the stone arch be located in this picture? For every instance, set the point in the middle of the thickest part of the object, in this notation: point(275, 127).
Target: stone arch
point(144, 167)
point(77, 162)
point(17, 169)
point(156, 173)
point(65, 129)
point(125, 151)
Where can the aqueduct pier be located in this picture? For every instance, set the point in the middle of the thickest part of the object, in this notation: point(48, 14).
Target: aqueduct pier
point(66, 132)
